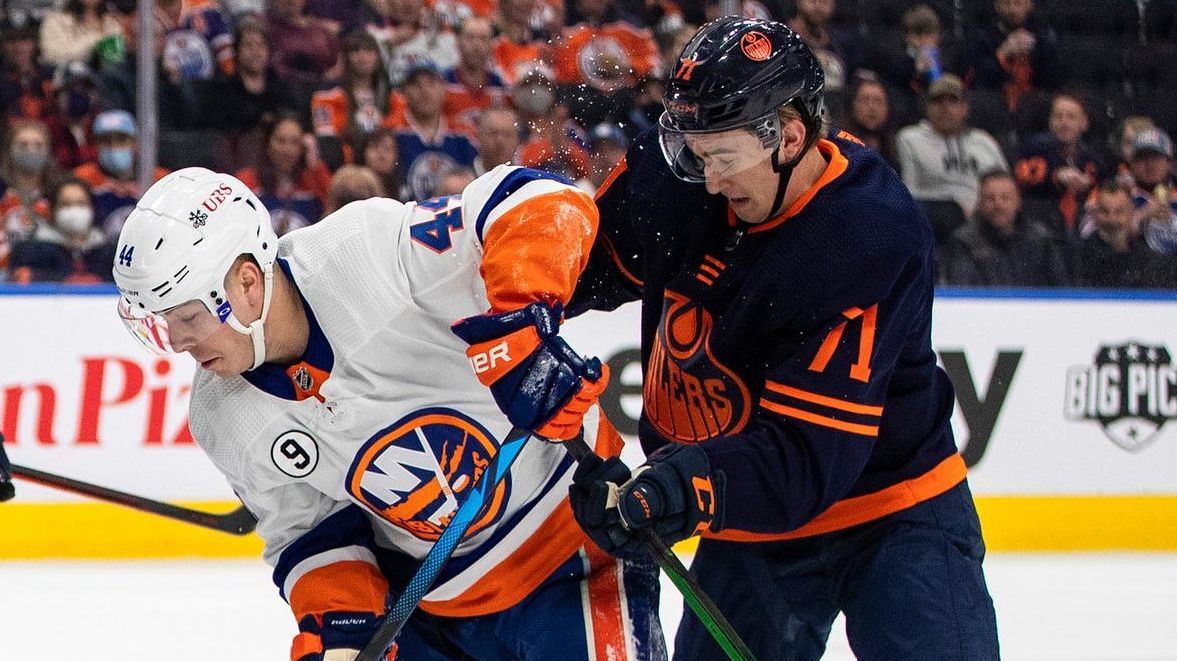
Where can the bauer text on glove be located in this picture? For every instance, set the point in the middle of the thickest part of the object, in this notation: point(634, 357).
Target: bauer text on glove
point(538, 381)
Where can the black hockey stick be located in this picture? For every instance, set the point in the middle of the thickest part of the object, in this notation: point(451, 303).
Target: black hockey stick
point(378, 646)
point(238, 522)
point(7, 491)
point(698, 601)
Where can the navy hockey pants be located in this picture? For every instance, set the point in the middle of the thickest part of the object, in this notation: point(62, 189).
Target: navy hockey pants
point(910, 584)
point(592, 607)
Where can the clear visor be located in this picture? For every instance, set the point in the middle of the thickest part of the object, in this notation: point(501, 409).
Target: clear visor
point(696, 156)
point(172, 331)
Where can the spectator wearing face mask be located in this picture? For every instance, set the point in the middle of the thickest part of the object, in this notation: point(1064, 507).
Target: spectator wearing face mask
point(27, 172)
point(113, 175)
point(71, 125)
point(553, 142)
point(68, 248)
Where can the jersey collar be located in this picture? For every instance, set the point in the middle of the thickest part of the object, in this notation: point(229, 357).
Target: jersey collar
point(305, 377)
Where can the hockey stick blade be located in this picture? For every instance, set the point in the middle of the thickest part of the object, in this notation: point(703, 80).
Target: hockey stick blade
point(238, 522)
point(694, 596)
point(378, 646)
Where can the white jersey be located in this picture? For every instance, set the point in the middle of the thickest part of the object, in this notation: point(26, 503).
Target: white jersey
point(385, 411)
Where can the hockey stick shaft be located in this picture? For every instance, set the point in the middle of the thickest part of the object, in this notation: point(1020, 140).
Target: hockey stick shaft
point(377, 648)
point(694, 596)
point(238, 522)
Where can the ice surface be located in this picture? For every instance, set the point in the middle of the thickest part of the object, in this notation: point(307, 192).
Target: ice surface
point(1075, 607)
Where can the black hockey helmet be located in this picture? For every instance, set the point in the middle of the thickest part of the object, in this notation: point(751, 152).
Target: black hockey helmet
point(736, 73)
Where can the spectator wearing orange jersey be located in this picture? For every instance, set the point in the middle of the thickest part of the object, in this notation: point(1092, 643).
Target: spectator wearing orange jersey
point(604, 58)
point(473, 85)
point(519, 47)
point(362, 101)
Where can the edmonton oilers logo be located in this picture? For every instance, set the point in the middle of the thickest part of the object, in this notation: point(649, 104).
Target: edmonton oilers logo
point(1129, 389)
point(756, 46)
point(416, 472)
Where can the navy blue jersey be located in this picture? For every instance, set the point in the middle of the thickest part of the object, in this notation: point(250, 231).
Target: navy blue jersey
point(796, 351)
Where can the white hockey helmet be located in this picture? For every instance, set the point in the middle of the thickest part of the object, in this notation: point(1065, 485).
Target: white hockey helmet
point(176, 248)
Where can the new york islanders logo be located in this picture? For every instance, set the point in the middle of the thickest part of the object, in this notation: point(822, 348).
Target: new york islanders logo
point(415, 472)
point(689, 395)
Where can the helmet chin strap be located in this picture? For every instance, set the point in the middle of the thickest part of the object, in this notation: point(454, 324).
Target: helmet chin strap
point(785, 170)
point(256, 330)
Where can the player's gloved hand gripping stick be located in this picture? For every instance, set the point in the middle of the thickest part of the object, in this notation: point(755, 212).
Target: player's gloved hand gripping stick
point(641, 528)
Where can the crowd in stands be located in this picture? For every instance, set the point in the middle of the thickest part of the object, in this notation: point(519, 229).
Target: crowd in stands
point(1035, 134)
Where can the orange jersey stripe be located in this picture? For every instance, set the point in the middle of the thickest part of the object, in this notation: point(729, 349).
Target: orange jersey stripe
point(602, 601)
point(613, 175)
point(834, 168)
point(529, 565)
point(704, 279)
point(709, 270)
point(715, 262)
point(797, 393)
point(348, 585)
point(537, 250)
point(861, 509)
point(798, 414)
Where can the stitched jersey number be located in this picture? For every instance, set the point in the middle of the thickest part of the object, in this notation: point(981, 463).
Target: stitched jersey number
point(435, 233)
point(860, 370)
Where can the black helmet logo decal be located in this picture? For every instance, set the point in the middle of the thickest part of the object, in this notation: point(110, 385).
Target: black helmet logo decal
point(756, 46)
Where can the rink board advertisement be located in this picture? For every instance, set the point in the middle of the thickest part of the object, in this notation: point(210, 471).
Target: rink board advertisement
point(1066, 413)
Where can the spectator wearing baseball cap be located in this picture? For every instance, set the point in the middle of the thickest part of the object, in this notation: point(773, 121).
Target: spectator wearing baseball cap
point(1153, 193)
point(113, 175)
point(71, 122)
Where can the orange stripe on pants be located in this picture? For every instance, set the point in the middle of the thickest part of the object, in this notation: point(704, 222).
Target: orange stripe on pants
point(606, 611)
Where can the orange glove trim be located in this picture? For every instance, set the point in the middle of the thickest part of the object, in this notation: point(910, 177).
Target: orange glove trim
point(305, 644)
point(568, 420)
point(494, 358)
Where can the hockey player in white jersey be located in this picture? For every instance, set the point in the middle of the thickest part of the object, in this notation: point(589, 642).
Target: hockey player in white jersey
point(343, 411)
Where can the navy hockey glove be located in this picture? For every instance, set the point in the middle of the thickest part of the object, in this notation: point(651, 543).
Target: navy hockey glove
point(335, 636)
point(675, 493)
point(593, 496)
point(538, 381)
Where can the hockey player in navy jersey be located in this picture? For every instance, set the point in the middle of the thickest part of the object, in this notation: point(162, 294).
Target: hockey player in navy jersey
point(341, 408)
point(792, 405)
